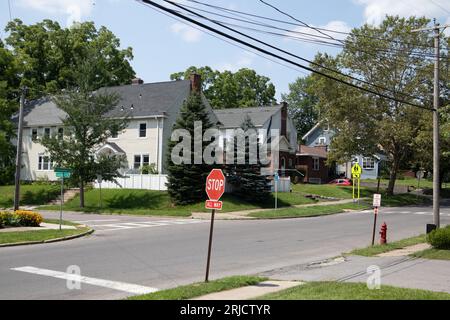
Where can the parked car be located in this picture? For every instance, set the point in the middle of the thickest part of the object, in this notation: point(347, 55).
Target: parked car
point(341, 182)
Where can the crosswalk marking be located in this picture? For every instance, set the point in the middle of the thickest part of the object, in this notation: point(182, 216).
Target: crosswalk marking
point(97, 220)
point(116, 285)
point(143, 224)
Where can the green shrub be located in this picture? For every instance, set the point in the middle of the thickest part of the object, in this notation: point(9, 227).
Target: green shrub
point(29, 218)
point(9, 219)
point(440, 238)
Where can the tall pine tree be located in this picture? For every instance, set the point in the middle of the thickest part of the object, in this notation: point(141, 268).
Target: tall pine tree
point(186, 182)
point(246, 178)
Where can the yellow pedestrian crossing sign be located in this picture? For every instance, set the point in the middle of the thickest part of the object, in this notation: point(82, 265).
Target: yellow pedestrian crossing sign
point(356, 170)
point(356, 174)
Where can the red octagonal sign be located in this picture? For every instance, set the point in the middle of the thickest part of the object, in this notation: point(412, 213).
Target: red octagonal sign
point(215, 184)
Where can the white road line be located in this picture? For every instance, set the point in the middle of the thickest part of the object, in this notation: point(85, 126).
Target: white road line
point(421, 213)
point(115, 285)
point(118, 226)
point(99, 220)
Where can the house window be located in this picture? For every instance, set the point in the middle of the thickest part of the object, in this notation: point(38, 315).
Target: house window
point(44, 163)
point(47, 132)
point(316, 164)
point(145, 160)
point(60, 133)
point(141, 160)
point(290, 162)
point(368, 163)
point(34, 134)
point(142, 130)
point(137, 161)
point(322, 140)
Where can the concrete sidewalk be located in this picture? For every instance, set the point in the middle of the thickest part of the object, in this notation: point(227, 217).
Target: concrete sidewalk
point(43, 226)
point(401, 271)
point(250, 292)
point(244, 214)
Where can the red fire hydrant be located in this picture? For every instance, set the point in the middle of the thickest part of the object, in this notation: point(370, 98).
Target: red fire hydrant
point(383, 233)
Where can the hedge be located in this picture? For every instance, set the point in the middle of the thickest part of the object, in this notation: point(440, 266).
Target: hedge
point(440, 238)
point(20, 218)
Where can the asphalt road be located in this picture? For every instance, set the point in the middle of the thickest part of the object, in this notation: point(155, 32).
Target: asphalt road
point(157, 253)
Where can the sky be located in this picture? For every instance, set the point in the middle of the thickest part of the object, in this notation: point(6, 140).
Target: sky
point(162, 45)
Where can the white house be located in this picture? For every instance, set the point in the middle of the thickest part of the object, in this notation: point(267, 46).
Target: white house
point(153, 110)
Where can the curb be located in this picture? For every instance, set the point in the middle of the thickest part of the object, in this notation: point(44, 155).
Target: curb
point(15, 244)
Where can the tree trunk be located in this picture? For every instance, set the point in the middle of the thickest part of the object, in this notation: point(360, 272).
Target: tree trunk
point(81, 194)
point(392, 177)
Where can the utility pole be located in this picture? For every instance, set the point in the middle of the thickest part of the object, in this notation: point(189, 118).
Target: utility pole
point(19, 150)
point(436, 147)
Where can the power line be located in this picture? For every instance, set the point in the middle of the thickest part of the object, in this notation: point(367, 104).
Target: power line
point(9, 7)
point(237, 13)
point(438, 5)
point(289, 53)
point(295, 19)
point(310, 38)
point(247, 44)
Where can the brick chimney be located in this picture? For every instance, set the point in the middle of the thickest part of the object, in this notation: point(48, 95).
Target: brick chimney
point(137, 81)
point(196, 83)
point(284, 115)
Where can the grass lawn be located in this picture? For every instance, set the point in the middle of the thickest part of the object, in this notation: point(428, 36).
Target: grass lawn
point(309, 211)
point(377, 249)
point(200, 288)
point(408, 181)
point(352, 291)
point(41, 235)
point(148, 202)
point(433, 254)
point(403, 199)
point(328, 190)
point(29, 194)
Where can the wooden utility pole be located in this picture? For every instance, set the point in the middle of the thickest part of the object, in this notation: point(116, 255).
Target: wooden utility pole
point(19, 150)
point(436, 146)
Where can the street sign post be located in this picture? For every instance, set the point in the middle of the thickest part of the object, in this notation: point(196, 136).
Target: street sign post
point(215, 187)
point(376, 205)
point(276, 178)
point(419, 175)
point(99, 181)
point(356, 174)
point(62, 173)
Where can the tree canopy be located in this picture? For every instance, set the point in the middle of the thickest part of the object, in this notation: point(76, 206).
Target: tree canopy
point(48, 56)
point(390, 57)
point(302, 104)
point(243, 88)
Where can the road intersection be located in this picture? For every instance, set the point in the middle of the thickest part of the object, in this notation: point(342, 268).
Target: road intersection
point(150, 253)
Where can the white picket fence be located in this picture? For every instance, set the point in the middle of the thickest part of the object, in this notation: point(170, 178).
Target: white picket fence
point(284, 184)
point(158, 182)
point(136, 181)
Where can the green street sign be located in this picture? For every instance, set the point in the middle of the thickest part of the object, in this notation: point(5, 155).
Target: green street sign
point(63, 172)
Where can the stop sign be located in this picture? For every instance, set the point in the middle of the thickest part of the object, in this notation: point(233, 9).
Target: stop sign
point(215, 184)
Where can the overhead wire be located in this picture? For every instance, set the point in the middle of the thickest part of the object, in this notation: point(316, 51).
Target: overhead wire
point(267, 52)
point(291, 54)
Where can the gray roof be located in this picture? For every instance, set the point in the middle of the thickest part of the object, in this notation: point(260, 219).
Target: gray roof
point(139, 100)
point(233, 118)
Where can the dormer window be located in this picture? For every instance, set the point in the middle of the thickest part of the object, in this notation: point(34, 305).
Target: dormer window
point(322, 141)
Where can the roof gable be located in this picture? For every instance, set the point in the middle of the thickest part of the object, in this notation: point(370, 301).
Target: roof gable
point(233, 118)
point(138, 100)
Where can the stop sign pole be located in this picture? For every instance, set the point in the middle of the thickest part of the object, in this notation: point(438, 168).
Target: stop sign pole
point(215, 187)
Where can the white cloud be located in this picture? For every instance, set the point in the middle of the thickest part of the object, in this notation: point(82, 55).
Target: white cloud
point(187, 33)
point(376, 10)
point(75, 10)
point(243, 61)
